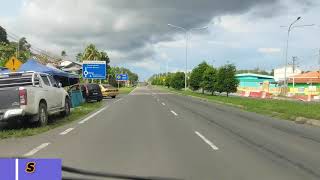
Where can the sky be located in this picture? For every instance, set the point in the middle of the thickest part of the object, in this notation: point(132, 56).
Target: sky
point(135, 33)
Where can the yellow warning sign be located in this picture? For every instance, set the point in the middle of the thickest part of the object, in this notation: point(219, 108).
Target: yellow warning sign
point(13, 64)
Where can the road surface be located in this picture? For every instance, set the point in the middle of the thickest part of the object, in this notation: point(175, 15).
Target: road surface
point(154, 133)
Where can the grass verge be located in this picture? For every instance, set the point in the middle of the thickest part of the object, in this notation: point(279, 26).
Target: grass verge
point(283, 109)
point(125, 90)
point(77, 113)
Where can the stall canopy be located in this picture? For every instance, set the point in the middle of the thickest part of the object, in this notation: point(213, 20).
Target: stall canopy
point(64, 77)
point(3, 70)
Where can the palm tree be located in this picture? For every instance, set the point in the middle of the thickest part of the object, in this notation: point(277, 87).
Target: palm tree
point(79, 57)
point(91, 53)
point(63, 53)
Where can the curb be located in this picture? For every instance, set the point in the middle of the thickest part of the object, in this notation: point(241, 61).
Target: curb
point(303, 120)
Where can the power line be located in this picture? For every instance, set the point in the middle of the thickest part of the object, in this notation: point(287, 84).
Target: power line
point(35, 48)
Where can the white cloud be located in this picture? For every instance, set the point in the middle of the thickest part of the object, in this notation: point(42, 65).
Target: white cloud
point(269, 50)
point(147, 64)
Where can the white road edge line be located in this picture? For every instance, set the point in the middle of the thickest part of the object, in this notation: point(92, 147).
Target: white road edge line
point(117, 100)
point(174, 113)
point(35, 150)
point(163, 104)
point(214, 147)
point(92, 115)
point(17, 170)
point(66, 131)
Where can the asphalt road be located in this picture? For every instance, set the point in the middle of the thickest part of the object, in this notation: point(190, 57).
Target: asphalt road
point(154, 133)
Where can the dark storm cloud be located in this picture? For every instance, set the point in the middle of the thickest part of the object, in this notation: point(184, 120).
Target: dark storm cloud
point(127, 26)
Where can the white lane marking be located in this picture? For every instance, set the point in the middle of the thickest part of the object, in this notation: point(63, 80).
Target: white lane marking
point(35, 150)
point(132, 91)
point(17, 170)
point(214, 147)
point(92, 115)
point(163, 104)
point(117, 100)
point(66, 131)
point(174, 113)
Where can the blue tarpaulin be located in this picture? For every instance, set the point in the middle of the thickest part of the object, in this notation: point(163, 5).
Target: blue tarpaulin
point(64, 77)
point(33, 65)
point(3, 70)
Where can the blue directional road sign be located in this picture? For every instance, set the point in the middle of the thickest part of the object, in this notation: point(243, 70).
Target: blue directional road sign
point(94, 69)
point(122, 77)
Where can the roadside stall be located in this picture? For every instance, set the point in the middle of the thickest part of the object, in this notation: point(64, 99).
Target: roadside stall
point(65, 78)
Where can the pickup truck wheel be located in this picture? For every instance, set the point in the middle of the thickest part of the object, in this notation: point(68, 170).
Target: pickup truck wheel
point(113, 96)
point(66, 111)
point(42, 115)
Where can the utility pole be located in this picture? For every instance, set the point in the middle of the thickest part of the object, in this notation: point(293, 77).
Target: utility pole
point(18, 49)
point(294, 60)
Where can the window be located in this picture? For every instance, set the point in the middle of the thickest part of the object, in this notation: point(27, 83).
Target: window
point(53, 81)
point(45, 80)
point(93, 87)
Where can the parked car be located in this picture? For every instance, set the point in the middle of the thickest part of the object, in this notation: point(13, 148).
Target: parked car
point(90, 92)
point(109, 91)
point(31, 96)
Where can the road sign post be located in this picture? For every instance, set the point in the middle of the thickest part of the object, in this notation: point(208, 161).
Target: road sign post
point(94, 70)
point(121, 78)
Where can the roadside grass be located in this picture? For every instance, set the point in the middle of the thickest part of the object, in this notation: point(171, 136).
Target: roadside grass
point(125, 90)
point(283, 109)
point(55, 121)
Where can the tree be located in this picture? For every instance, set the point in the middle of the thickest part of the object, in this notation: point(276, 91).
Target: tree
point(272, 72)
point(104, 57)
point(79, 57)
point(10, 49)
point(91, 53)
point(168, 80)
point(210, 79)
point(113, 71)
point(24, 49)
point(63, 53)
point(196, 76)
point(3, 36)
point(177, 81)
point(227, 82)
point(7, 51)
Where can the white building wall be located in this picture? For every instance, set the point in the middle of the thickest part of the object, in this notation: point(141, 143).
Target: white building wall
point(279, 73)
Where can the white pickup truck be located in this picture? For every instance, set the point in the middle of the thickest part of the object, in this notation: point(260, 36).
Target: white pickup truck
point(31, 96)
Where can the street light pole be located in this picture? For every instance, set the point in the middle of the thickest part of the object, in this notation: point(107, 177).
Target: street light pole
point(287, 47)
point(186, 31)
point(186, 70)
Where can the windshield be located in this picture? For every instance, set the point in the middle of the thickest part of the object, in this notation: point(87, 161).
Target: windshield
point(93, 86)
point(160, 89)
